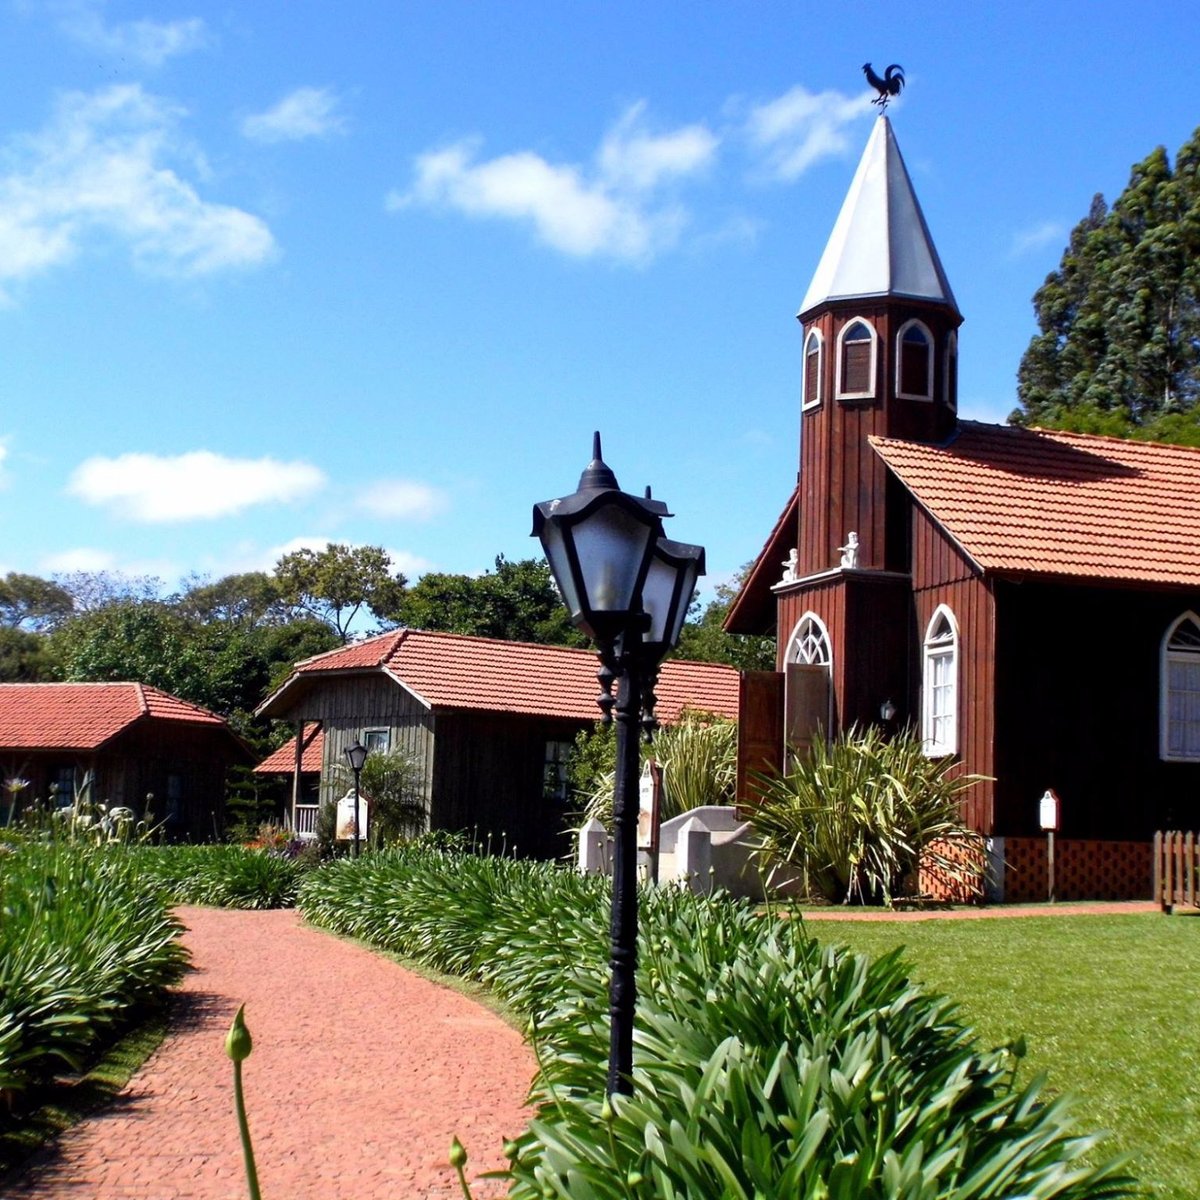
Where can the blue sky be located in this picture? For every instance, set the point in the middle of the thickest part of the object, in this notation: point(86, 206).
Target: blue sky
point(278, 274)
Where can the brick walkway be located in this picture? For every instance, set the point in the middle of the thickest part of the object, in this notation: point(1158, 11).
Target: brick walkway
point(361, 1074)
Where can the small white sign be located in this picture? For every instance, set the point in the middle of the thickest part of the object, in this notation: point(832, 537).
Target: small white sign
point(1048, 810)
point(345, 817)
point(648, 808)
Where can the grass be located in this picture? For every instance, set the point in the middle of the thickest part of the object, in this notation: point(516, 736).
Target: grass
point(1109, 1006)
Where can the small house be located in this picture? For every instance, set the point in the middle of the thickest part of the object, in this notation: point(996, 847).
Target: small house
point(489, 722)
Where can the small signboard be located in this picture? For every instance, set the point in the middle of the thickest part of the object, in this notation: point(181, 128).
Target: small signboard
point(1048, 810)
point(345, 817)
point(648, 792)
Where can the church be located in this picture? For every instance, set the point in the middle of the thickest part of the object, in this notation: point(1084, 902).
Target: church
point(1026, 601)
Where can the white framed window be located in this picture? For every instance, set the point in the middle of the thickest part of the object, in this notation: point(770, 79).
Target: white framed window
point(939, 698)
point(377, 741)
point(814, 355)
point(856, 360)
point(914, 361)
point(809, 643)
point(950, 372)
point(1179, 710)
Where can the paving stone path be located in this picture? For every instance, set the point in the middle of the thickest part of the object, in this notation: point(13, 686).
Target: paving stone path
point(361, 1074)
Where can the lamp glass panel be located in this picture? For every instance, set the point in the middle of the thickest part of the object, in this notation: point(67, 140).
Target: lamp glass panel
point(555, 546)
point(611, 544)
point(688, 572)
point(657, 594)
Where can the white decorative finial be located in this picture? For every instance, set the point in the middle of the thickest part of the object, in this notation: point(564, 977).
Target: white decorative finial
point(850, 552)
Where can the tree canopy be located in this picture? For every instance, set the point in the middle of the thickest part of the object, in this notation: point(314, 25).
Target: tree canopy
point(337, 583)
point(1118, 350)
point(517, 602)
point(703, 637)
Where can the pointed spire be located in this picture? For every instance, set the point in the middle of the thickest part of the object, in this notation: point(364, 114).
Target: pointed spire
point(880, 245)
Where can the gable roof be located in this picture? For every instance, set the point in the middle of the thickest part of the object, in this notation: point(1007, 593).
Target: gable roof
point(283, 760)
point(453, 671)
point(753, 608)
point(83, 716)
point(1037, 502)
point(880, 244)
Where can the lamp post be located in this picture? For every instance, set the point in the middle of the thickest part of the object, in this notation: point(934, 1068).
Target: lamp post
point(356, 755)
point(627, 587)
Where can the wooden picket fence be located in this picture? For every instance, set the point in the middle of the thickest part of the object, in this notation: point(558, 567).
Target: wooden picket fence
point(1177, 870)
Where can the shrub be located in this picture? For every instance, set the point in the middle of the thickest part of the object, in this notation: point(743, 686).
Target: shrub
point(223, 876)
point(764, 1065)
point(854, 816)
point(83, 946)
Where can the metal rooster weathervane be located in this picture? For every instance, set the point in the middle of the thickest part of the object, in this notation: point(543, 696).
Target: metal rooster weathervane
point(888, 86)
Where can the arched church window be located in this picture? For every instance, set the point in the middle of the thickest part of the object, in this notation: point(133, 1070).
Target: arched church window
point(914, 362)
point(1180, 711)
point(813, 346)
point(810, 643)
point(950, 373)
point(856, 361)
point(939, 700)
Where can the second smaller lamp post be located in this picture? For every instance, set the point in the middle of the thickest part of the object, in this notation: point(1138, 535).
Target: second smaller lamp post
point(628, 588)
point(356, 755)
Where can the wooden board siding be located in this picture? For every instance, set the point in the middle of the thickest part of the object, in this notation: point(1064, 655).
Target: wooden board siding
point(487, 779)
point(1079, 697)
point(760, 729)
point(942, 574)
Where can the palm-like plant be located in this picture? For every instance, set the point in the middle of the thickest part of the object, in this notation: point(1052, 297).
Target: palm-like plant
point(855, 815)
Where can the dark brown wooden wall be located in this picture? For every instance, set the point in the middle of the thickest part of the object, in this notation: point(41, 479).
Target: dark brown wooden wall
point(1078, 676)
point(487, 779)
point(942, 574)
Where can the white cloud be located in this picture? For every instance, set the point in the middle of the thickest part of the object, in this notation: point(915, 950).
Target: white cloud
point(149, 43)
point(800, 128)
point(81, 558)
point(607, 208)
point(405, 499)
point(194, 486)
point(304, 113)
point(413, 566)
point(101, 168)
point(1036, 236)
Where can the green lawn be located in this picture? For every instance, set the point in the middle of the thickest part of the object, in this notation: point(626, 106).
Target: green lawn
point(1110, 1007)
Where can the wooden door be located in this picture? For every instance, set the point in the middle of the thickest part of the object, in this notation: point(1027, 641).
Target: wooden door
point(807, 706)
point(760, 730)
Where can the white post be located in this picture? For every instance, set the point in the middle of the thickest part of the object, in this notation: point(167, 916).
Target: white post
point(693, 855)
point(593, 849)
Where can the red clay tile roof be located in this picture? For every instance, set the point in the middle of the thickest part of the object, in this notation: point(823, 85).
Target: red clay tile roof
point(449, 670)
point(83, 716)
point(283, 760)
point(1035, 502)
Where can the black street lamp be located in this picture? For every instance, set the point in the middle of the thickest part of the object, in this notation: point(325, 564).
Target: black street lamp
point(628, 588)
point(356, 755)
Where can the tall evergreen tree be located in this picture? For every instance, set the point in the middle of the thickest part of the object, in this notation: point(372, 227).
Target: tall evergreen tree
point(1119, 347)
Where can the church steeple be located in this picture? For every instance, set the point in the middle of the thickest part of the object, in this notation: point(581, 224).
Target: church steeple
point(880, 357)
point(880, 245)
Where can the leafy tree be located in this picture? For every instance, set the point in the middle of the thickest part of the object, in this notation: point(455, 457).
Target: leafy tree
point(92, 590)
point(22, 656)
point(1119, 347)
point(250, 599)
point(516, 602)
point(336, 583)
point(30, 603)
point(704, 639)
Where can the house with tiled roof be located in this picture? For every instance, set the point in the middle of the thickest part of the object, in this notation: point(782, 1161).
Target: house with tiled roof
point(489, 721)
point(1025, 600)
point(132, 745)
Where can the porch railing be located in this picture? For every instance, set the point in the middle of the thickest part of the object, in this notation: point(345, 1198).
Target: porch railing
point(306, 821)
point(1177, 870)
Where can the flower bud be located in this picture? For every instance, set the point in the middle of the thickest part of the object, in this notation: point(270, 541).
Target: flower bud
point(458, 1155)
point(237, 1041)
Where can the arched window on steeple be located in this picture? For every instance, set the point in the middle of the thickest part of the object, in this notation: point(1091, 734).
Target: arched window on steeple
point(914, 361)
point(950, 372)
point(1179, 718)
point(813, 354)
point(856, 361)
